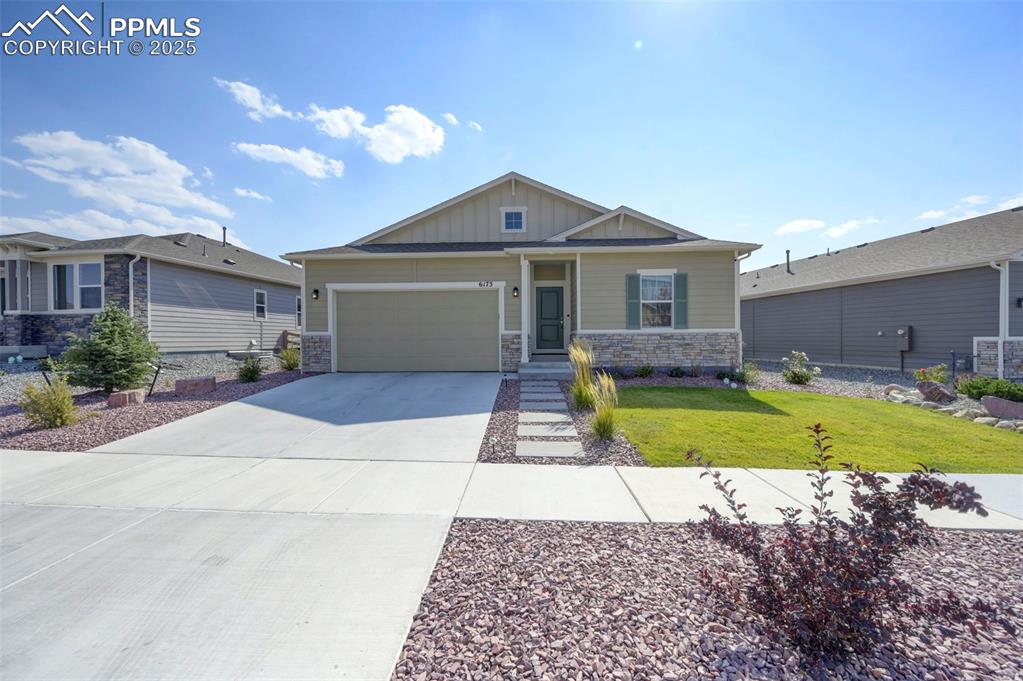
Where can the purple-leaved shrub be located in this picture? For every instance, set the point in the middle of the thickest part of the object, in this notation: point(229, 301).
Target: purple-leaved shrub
point(831, 585)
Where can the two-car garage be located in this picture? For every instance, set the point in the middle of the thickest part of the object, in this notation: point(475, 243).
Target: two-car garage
point(436, 327)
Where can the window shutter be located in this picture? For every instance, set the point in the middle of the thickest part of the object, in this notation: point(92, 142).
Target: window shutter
point(632, 301)
point(681, 316)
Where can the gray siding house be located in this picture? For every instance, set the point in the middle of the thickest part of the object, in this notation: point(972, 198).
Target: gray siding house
point(194, 294)
point(899, 303)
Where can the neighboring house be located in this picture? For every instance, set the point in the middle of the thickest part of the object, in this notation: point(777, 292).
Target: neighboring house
point(194, 294)
point(899, 303)
point(510, 272)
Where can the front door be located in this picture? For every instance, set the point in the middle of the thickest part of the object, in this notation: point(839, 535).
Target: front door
point(550, 323)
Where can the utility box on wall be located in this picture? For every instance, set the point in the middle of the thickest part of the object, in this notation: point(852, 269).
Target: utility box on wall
point(904, 338)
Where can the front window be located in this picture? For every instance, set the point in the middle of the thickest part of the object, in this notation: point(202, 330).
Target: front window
point(78, 287)
point(259, 310)
point(513, 219)
point(655, 294)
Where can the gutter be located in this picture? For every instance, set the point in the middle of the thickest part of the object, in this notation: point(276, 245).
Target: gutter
point(1003, 311)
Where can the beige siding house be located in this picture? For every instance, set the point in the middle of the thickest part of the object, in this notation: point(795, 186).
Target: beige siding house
point(507, 274)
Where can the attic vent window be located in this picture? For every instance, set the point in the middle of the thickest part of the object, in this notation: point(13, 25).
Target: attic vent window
point(513, 219)
point(228, 261)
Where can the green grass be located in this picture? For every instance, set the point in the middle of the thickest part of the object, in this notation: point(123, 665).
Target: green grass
point(767, 429)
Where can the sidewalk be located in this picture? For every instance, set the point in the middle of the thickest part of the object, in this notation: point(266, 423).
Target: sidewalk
point(513, 491)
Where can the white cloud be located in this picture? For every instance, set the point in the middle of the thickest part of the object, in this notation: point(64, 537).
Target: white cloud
point(975, 200)
point(1011, 202)
point(7, 194)
point(405, 132)
point(311, 163)
point(931, 215)
point(450, 118)
point(127, 176)
point(260, 106)
point(638, 45)
point(850, 226)
point(251, 194)
point(797, 226)
point(207, 173)
point(475, 126)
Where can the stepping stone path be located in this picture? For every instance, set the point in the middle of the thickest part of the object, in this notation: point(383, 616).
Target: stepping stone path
point(543, 412)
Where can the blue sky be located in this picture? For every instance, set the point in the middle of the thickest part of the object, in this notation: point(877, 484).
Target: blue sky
point(831, 123)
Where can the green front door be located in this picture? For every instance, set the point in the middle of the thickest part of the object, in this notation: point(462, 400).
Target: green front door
point(550, 325)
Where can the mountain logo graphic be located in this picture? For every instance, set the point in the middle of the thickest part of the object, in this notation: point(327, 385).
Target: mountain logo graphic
point(78, 20)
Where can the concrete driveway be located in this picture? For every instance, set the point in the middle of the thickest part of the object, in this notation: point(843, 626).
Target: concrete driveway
point(394, 417)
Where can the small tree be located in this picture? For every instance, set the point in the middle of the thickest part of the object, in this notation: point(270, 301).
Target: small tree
point(49, 406)
point(116, 355)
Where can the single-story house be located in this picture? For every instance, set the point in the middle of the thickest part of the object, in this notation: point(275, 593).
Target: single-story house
point(193, 293)
point(900, 303)
point(507, 274)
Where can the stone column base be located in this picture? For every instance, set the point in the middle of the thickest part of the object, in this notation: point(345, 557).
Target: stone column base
point(511, 351)
point(315, 352)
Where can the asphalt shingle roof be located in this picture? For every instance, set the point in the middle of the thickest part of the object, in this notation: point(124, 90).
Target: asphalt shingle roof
point(186, 248)
point(957, 244)
point(499, 246)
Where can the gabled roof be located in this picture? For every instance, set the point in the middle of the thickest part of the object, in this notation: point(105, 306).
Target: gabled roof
point(36, 239)
point(630, 212)
point(473, 192)
point(185, 249)
point(958, 245)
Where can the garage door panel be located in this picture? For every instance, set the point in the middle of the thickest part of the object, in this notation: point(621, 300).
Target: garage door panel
point(418, 331)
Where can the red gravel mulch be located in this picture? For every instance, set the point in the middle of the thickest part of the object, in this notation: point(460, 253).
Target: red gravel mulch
point(100, 424)
point(557, 600)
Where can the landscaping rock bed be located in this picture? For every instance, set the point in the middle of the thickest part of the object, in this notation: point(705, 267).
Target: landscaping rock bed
point(20, 375)
point(961, 408)
point(498, 444)
point(512, 599)
point(841, 381)
point(101, 424)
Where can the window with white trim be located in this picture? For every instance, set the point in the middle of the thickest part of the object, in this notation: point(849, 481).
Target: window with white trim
point(656, 297)
point(259, 305)
point(513, 220)
point(77, 286)
point(298, 312)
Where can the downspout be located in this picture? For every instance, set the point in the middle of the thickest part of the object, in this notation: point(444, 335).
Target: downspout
point(738, 303)
point(1003, 311)
point(131, 284)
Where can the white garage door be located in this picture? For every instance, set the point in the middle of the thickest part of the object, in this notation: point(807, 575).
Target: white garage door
point(417, 330)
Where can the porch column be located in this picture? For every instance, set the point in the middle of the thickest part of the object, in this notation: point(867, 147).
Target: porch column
point(524, 287)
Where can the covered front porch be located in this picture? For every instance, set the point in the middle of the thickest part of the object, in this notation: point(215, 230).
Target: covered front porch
point(549, 309)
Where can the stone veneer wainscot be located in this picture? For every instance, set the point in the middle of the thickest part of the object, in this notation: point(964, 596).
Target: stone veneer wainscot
point(315, 352)
point(709, 349)
point(511, 351)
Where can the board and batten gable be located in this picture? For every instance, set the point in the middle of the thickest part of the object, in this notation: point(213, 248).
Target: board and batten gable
point(193, 310)
point(711, 284)
point(319, 273)
point(478, 218)
point(856, 325)
point(631, 228)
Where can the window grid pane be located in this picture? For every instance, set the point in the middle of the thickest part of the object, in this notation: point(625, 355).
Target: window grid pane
point(89, 274)
point(63, 287)
point(656, 288)
point(657, 315)
point(513, 220)
point(90, 297)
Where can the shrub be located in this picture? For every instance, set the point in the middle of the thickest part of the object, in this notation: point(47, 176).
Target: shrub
point(937, 373)
point(620, 372)
point(645, 371)
point(794, 369)
point(250, 370)
point(831, 585)
point(695, 370)
point(979, 386)
point(677, 372)
point(580, 354)
point(116, 355)
point(290, 359)
point(49, 406)
point(750, 373)
point(605, 400)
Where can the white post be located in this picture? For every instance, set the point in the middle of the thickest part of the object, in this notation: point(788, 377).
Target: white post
point(524, 285)
point(1003, 315)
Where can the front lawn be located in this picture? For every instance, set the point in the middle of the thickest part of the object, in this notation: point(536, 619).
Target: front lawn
point(767, 429)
